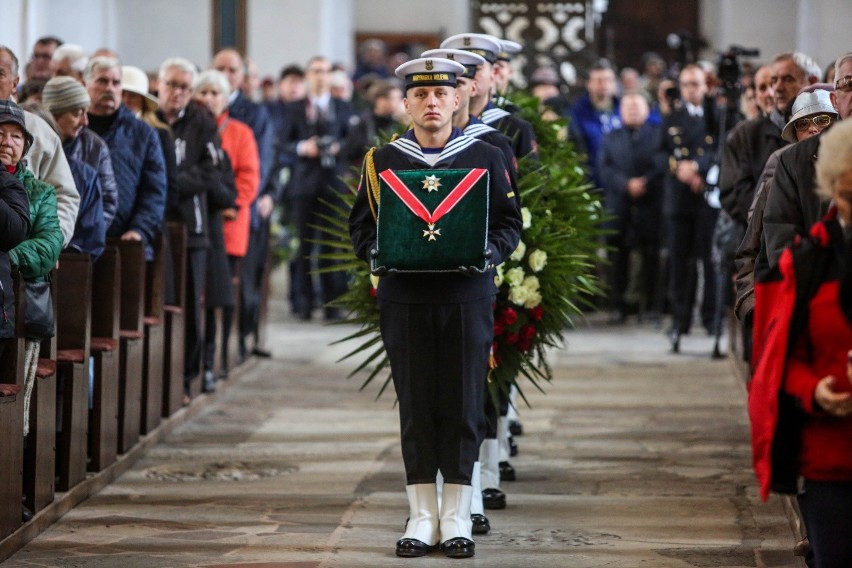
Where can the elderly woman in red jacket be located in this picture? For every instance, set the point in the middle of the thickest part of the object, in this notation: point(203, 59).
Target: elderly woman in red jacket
point(213, 90)
point(805, 367)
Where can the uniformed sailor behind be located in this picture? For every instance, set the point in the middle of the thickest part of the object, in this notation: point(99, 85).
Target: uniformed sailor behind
point(437, 327)
point(519, 131)
point(472, 126)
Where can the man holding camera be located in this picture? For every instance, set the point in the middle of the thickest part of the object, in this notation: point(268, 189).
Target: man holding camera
point(316, 126)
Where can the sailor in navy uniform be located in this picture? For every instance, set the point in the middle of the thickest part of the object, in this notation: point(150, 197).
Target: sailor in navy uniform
point(519, 131)
point(472, 126)
point(504, 71)
point(437, 327)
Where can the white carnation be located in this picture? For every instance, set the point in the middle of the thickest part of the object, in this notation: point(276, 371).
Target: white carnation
point(531, 283)
point(533, 299)
point(519, 252)
point(515, 276)
point(519, 295)
point(537, 260)
point(526, 217)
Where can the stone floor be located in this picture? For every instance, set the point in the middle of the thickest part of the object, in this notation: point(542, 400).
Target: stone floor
point(633, 458)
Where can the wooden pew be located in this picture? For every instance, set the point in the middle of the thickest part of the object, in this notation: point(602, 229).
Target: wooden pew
point(106, 303)
point(173, 359)
point(132, 335)
point(154, 342)
point(40, 447)
point(73, 284)
point(11, 452)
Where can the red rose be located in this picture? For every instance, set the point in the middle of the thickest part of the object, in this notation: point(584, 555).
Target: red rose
point(524, 344)
point(509, 316)
point(537, 313)
point(499, 328)
point(511, 338)
point(527, 332)
point(372, 292)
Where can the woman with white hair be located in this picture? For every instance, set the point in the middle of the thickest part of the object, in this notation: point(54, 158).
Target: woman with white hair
point(232, 224)
point(800, 399)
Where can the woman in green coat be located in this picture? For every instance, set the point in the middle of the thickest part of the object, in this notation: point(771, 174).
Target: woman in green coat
point(35, 257)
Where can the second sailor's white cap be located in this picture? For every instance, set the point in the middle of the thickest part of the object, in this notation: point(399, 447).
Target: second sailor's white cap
point(469, 59)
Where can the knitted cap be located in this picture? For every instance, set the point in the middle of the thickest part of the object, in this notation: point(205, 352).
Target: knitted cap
point(62, 94)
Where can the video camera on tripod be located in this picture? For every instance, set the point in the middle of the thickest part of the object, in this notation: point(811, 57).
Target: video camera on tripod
point(729, 71)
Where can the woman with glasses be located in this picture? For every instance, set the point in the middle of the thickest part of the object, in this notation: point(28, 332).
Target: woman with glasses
point(812, 113)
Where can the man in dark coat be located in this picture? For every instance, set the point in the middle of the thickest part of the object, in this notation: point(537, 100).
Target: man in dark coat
point(317, 126)
point(136, 153)
point(689, 149)
point(198, 150)
point(437, 327)
point(632, 182)
point(792, 206)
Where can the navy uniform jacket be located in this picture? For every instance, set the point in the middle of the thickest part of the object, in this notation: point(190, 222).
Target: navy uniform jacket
point(686, 138)
point(519, 131)
point(504, 220)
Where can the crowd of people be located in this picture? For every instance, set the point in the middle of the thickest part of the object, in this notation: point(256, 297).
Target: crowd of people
point(710, 190)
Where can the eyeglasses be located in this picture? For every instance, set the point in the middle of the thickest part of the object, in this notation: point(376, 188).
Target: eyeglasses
point(820, 121)
point(844, 84)
point(175, 86)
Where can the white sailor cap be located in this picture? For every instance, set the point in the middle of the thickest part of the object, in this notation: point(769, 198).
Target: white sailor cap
point(485, 45)
point(429, 71)
point(508, 48)
point(469, 59)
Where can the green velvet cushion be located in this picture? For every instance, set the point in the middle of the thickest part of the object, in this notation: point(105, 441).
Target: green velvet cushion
point(405, 241)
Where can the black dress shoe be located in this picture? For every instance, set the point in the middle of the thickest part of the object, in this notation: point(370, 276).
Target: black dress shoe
point(480, 524)
point(412, 548)
point(262, 353)
point(493, 498)
point(513, 447)
point(516, 428)
point(458, 547)
point(507, 472)
point(674, 339)
point(27, 516)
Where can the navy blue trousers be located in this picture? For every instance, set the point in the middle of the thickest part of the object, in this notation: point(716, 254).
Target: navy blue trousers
point(439, 361)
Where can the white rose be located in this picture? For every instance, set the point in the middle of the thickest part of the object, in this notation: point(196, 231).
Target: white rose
point(532, 300)
point(537, 260)
point(515, 276)
point(519, 295)
point(374, 280)
point(526, 217)
point(531, 283)
point(519, 252)
point(498, 279)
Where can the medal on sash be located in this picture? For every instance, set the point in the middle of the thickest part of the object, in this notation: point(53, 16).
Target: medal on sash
point(453, 206)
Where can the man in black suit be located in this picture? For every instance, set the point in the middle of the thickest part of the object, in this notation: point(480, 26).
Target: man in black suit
point(689, 149)
point(316, 127)
point(632, 180)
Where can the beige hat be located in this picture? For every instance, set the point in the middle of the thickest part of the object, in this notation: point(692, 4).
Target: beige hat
point(806, 104)
point(134, 80)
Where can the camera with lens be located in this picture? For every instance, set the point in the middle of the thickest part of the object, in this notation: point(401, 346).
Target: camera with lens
point(729, 70)
point(325, 145)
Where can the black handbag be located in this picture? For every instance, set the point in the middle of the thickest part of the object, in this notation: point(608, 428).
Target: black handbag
point(39, 317)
